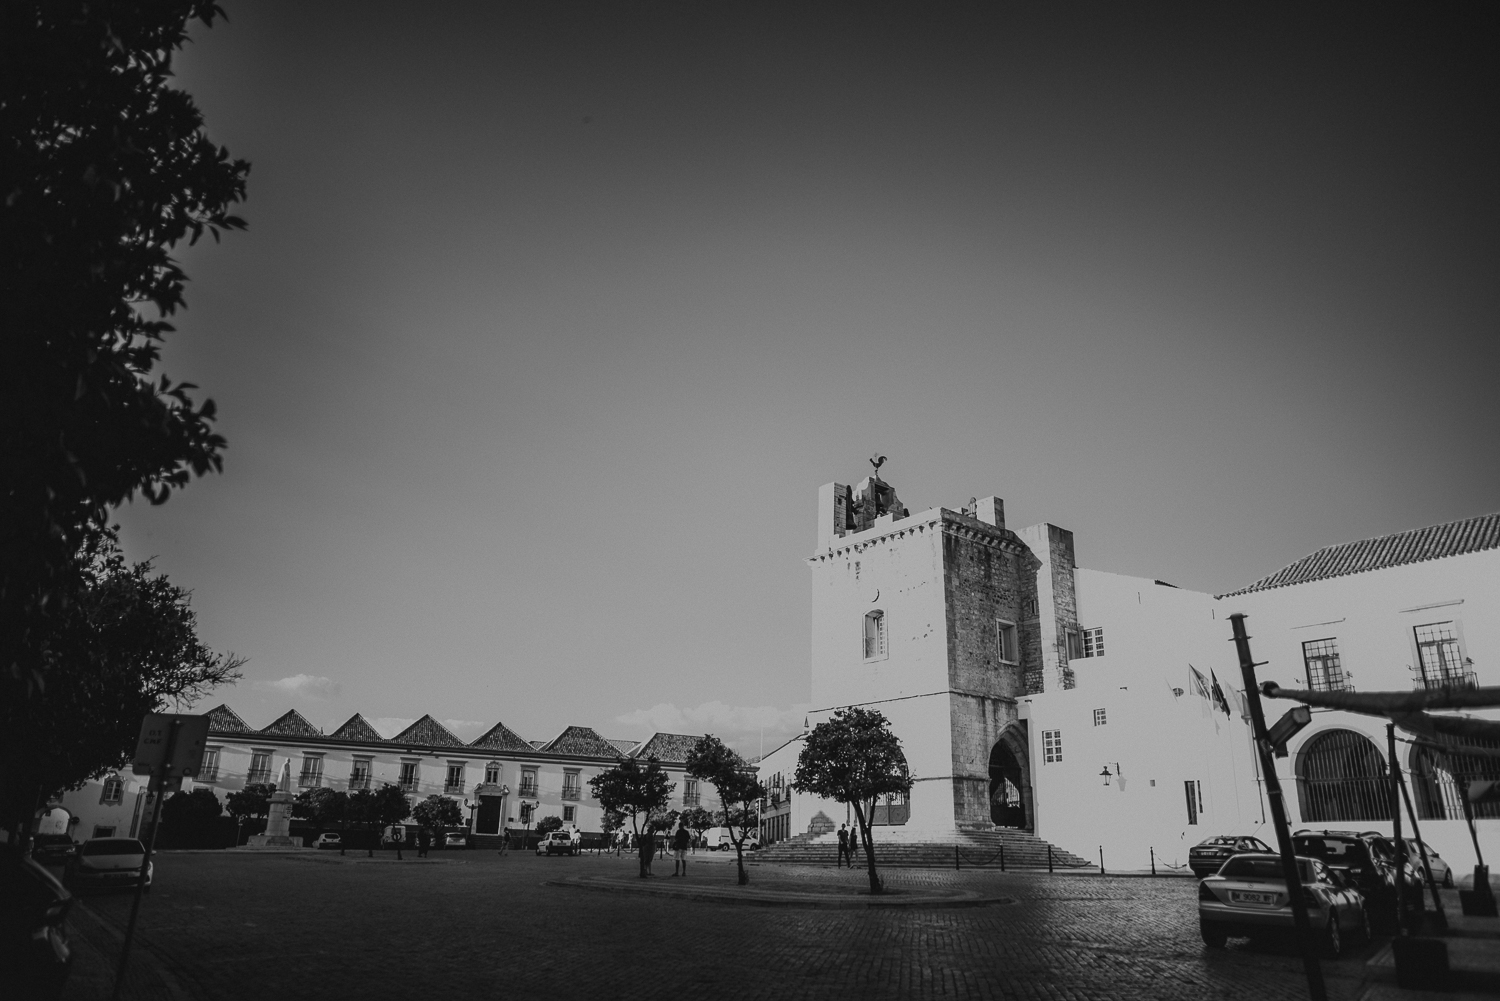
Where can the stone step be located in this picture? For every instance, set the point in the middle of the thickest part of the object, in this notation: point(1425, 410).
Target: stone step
point(964, 849)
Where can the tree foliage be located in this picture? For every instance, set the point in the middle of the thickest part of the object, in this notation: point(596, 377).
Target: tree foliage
point(252, 801)
point(197, 808)
point(321, 807)
point(699, 820)
point(388, 805)
point(437, 813)
point(635, 790)
point(104, 169)
point(127, 646)
point(854, 758)
point(739, 789)
point(548, 824)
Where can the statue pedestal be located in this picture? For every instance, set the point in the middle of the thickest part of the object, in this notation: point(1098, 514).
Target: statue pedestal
point(278, 825)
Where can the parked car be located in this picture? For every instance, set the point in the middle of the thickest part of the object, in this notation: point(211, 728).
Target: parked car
point(52, 848)
point(1206, 856)
point(1369, 859)
point(1442, 872)
point(557, 843)
point(1248, 896)
point(456, 839)
point(328, 840)
point(107, 862)
point(33, 934)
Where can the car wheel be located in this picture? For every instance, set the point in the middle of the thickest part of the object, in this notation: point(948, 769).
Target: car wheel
point(1366, 931)
point(1333, 942)
point(1214, 935)
point(1448, 879)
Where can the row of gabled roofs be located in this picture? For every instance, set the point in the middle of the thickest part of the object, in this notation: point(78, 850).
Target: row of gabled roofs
point(576, 741)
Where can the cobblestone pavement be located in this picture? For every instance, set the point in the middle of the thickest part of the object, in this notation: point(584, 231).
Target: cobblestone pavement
point(474, 924)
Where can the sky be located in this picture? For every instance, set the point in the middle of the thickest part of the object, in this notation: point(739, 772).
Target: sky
point(551, 319)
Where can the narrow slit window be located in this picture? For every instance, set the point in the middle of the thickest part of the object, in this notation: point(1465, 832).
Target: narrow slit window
point(1005, 636)
point(874, 634)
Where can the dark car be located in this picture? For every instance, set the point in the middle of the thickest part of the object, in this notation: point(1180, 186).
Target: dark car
point(33, 937)
point(1368, 860)
point(47, 848)
point(1206, 856)
point(1249, 897)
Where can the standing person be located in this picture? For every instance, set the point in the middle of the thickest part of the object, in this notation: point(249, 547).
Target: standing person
point(423, 840)
point(680, 844)
point(843, 846)
point(398, 836)
point(645, 848)
point(853, 845)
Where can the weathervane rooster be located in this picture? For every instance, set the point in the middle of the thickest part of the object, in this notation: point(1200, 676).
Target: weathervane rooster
point(877, 460)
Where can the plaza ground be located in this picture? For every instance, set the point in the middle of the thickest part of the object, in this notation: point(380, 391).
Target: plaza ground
point(472, 924)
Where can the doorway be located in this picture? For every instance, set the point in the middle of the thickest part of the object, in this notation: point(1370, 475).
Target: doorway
point(1010, 780)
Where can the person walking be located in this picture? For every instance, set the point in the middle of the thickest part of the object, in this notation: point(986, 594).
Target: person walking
point(681, 841)
point(843, 846)
point(645, 848)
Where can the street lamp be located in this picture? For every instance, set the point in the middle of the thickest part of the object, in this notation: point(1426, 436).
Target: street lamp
point(1105, 773)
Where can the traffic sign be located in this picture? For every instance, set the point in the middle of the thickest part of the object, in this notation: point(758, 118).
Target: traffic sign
point(187, 747)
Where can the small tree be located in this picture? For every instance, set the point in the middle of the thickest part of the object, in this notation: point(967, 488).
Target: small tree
point(252, 801)
point(192, 815)
point(547, 825)
point(389, 805)
point(854, 758)
point(739, 790)
point(634, 790)
point(320, 807)
point(698, 820)
point(437, 813)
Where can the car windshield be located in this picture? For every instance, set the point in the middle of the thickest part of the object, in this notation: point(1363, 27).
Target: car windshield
point(1334, 851)
point(53, 839)
point(114, 846)
point(1263, 867)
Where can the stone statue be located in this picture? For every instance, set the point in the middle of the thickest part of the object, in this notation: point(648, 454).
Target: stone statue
point(284, 784)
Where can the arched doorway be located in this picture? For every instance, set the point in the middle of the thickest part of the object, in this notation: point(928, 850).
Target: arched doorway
point(1341, 777)
point(1010, 780)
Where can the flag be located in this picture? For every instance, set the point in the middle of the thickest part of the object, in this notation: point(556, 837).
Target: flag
point(1200, 683)
point(1219, 698)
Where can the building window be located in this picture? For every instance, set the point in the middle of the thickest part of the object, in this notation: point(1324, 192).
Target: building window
point(454, 781)
point(689, 792)
point(209, 770)
point(359, 774)
point(528, 782)
point(1324, 673)
point(260, 768)
point(1005, 642)
point(492, 773)
point(1440, 659)
point(1093, 642)
point(103, 832)
point(1099, 718)
point(572, 784)
point(874, 634)
point(1073, 643)
point(569, 812)
point(1341, 777)
point(114, 791)
point(1031, 608)
point(312, 771)
point(1051, 746)
point(408, 779)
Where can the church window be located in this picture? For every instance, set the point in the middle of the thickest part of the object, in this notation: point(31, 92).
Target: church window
point(1074, 642)
point(1051, 746)
point(114, 791)
point(1325, 673)
point(1093, 642)
point(1005, 635)
point(1099, 718)
point(874, 634)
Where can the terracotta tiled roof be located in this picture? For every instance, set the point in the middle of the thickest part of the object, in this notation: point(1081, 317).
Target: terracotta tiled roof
point(580, 740)
point(667, 747)
point(429, 733)
point(624, 746)
point(292, 724)
point(1455, 538)
point(356, 727)
point(537, 745)
point(502, 738)
point(223, 719)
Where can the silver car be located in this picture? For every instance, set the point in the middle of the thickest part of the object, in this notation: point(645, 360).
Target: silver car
point(107, 862)
point(1442, 872)
point(1248, 896)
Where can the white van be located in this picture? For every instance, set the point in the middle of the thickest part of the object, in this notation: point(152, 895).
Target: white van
point(718, 839)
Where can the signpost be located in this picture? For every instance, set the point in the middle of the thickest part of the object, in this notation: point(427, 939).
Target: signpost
point(169, 749)
point(1310, 965)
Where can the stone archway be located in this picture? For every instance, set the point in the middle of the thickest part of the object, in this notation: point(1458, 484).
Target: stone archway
point(1010, 780)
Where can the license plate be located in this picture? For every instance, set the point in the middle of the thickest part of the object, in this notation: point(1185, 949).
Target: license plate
point(1246, 897)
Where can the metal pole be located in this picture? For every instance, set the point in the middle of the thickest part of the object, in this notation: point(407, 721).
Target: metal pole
point(1441, 918)
point(1049, 856)
point(955, 858)
point(1395, 798)
point(159, 780)
point(1101, 860)
point(1002, 856)
point(1153, 860)
point(1315, 987)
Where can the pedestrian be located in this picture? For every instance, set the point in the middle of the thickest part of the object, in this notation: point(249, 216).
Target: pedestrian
point(843, 846)
point(680, 843)
point(853, 845)
point(645, 848)
point(423, 840)
point(398, 835)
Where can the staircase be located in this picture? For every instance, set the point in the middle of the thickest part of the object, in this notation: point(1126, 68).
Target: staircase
point(974, 849)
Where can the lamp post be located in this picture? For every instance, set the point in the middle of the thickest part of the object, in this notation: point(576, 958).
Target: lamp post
point(1105, 773)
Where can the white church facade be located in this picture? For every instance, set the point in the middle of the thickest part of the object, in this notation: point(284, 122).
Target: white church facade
point(1104, 713)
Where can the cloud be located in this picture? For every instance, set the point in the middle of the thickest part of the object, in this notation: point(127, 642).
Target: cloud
point(307, 686)
point(389, 726)
point(465, 729)
point(732, 723)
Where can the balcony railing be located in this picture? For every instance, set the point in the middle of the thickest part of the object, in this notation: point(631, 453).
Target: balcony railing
point(358, 782)
point(690, 799)
point(258, 778)
point(572, 792)
point(1446, 679)
point(527, 790)
point(408, 783)
point(209, 774)
point(454, 787)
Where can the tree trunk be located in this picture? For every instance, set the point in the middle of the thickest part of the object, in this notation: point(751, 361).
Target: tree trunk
point(864, 829)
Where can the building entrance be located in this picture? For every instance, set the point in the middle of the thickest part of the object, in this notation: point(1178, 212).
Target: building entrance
point(487, 821)
point(1010, 780)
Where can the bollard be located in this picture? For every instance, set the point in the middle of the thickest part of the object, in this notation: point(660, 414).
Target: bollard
point(955, 858)
point(1101, 860)
point(1153, 861)
point(1049, 857)
point(1002, 856)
